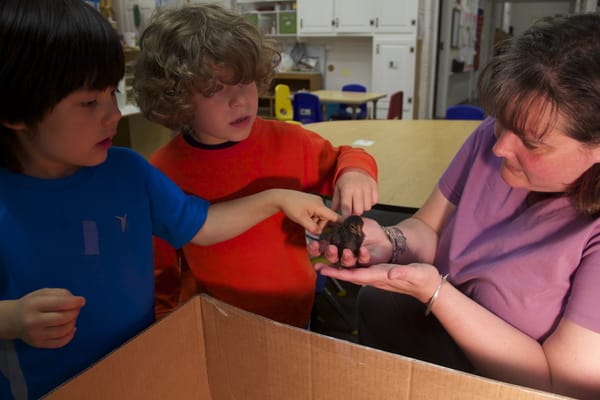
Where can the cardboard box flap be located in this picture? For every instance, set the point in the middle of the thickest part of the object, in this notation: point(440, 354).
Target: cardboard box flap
point(251, 357)
point(208, 350)
point(165, 361)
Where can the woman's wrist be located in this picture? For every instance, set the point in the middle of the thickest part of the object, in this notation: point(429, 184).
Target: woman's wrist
point(398, 241)
point(435, 295)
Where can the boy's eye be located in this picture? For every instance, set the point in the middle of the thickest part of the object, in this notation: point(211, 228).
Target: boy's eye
point(90, 103)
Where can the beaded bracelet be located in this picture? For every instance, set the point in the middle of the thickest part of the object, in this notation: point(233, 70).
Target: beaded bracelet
point(398, 241)
point(435, 295)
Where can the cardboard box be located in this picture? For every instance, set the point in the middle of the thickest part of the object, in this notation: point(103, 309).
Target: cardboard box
point(210, 350)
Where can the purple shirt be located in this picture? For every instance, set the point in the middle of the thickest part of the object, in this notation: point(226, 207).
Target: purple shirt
point(531, 266)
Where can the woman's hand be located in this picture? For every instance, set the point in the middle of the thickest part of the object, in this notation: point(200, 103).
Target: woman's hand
point(417, 280)
point(376, 248)
point(46, 318)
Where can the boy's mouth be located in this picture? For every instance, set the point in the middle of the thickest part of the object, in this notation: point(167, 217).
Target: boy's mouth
point(240, 121)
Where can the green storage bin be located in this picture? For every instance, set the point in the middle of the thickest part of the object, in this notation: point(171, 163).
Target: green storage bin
point(287, 22)
point(253, 18)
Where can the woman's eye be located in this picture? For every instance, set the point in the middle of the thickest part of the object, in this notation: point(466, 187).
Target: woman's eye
point(530, 145)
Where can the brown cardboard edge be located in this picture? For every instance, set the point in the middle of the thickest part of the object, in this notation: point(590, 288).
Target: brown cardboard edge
point(165, 346)
point(275, 361)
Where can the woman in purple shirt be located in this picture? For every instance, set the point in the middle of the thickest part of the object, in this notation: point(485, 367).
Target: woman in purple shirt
point(499, 272)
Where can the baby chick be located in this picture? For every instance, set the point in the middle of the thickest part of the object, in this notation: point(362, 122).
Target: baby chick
point(347, 235)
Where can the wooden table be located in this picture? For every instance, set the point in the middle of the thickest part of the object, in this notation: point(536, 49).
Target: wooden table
point(353, 99)
point(411, 154)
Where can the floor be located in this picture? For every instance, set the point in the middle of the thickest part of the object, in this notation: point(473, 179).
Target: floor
point(334, 313)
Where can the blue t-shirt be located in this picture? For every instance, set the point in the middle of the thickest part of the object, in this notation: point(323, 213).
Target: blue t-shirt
point(90, 233)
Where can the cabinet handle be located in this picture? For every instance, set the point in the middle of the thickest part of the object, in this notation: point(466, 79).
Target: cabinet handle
point(337, 22)
point(413, 22)
point(377, 22)
point(371, 22)
point(412, 49)
point(409, 100)
point(301, 23)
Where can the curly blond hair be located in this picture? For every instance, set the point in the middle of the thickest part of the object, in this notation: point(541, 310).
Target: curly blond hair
point(181, 51)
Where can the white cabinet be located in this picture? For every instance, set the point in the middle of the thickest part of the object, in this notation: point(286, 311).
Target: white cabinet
point(315, 16)
point(394, 16)
point(392, 24)
point(328, 17)
point(393, 69)
point(332, 17)
point(353, 16)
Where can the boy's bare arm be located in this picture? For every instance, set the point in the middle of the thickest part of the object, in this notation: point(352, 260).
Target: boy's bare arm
point(229, 219)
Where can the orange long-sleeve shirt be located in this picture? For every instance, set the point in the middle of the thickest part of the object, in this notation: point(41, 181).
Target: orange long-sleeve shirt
point(265, 270)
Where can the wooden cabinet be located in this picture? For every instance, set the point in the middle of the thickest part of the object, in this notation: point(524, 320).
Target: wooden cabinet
point(394, 58)
point(296, 81)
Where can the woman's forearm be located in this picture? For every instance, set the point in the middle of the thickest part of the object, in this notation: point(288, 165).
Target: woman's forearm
point(412, 241)
point(494, 347)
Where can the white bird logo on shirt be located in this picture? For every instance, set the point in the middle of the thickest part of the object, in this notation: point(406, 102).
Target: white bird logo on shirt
point(123, 220)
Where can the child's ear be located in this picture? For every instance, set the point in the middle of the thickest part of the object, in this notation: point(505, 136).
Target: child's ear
point(15, 126)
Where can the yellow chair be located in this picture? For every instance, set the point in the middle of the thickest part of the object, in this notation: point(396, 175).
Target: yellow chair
point(283, 103)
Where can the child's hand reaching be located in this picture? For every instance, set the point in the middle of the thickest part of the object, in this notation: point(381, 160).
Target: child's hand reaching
point(355, 192)
point(46, 318)
point(307, 210)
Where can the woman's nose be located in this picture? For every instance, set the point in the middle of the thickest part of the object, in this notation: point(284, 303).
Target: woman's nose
point(505, 143)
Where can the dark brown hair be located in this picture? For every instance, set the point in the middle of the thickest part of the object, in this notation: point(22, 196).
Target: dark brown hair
point(50, 48)
point(556, 60)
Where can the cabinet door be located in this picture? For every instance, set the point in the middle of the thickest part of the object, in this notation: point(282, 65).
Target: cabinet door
point(393, 70)
point(396, 16)
point(353, 16)
point(315, 16)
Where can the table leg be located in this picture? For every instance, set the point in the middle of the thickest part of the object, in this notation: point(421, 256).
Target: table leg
point(374, 109)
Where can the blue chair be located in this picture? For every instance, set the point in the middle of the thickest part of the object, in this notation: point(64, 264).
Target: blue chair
point(344, 110)
point(307, 108)
point(465, 111)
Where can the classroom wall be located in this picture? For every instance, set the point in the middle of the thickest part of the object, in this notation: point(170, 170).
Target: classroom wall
point(523, 14)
